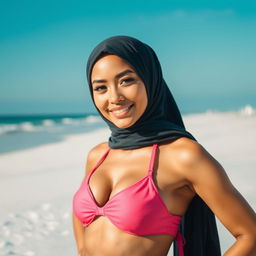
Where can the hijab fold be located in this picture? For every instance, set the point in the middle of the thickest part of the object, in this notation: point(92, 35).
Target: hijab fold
point(161, 122)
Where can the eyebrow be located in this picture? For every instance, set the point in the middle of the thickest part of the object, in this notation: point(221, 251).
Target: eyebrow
point(125, 72)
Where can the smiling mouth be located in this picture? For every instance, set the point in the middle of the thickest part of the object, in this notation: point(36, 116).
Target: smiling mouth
point(121, 112)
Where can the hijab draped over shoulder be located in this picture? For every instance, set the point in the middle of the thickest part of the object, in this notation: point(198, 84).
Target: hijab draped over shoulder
point(161, 122)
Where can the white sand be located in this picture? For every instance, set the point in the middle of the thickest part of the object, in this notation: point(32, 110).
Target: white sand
point(37, 184)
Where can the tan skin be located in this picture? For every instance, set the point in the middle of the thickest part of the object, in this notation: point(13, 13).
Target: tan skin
point(182, 169)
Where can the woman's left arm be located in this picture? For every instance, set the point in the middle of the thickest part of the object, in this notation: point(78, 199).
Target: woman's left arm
point(211, 183)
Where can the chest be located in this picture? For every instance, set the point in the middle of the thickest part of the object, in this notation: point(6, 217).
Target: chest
point(120, 171)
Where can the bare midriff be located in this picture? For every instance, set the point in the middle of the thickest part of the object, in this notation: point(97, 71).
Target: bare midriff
point(101, 237)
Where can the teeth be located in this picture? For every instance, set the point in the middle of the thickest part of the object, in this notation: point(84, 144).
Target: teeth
point(121, 110)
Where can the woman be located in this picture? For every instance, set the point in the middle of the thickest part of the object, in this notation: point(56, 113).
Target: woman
point(152, 183)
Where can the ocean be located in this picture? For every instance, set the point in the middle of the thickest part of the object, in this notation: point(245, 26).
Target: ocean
point(19, 132)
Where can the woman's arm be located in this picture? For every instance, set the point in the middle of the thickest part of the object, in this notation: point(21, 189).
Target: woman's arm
point(79, 235)
point(209, 180)
point(78, 227)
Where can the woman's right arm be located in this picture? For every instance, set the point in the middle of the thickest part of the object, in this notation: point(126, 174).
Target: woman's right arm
point(78, 227)
point(79, 235)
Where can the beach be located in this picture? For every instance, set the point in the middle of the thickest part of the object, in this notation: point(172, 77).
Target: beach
point(37, 182)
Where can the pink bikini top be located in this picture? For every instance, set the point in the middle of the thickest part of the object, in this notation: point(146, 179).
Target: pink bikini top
point(137, 209)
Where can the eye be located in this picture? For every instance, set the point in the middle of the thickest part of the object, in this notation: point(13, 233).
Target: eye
point(127, 80)
point(100, 88)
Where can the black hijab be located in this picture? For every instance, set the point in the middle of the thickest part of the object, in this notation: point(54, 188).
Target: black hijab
point(161, 122)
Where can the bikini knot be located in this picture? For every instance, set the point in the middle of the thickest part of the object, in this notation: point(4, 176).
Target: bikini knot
point(100, 211)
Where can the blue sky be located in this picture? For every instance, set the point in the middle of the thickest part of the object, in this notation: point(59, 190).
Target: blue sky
point(207, 50)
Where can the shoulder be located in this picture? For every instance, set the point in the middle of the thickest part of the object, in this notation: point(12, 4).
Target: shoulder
point(97, 150)
point(95, 154)
point(185, 151)
point(190, 159)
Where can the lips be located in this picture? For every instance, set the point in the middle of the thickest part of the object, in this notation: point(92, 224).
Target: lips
point(120, 112)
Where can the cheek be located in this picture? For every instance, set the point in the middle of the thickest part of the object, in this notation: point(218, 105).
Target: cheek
point(136, 92)
point(99, 101)
point(142, 96)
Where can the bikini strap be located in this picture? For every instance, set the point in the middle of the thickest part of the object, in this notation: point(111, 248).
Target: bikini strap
point(98, 164)
point(180, 240)
point(152, 159)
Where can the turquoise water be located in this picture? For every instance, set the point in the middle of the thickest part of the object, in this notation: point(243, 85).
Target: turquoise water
point(45, 122)
point(18, 132)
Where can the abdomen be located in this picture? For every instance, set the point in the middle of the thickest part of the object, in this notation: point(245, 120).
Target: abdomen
point(103, 238)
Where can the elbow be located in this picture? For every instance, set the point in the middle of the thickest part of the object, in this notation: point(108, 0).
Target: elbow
point(249, 241)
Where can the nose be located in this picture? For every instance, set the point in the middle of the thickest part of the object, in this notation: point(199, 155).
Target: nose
point(115, 96)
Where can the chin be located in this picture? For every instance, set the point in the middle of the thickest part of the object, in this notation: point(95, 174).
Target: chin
point(123, 125)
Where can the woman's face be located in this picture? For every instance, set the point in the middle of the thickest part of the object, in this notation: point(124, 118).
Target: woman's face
point(118, 92)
